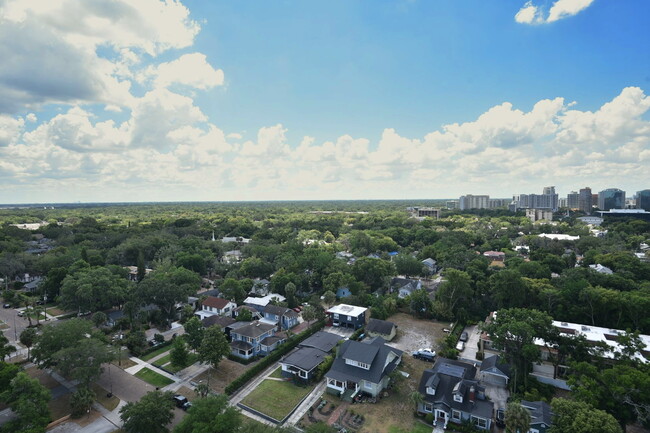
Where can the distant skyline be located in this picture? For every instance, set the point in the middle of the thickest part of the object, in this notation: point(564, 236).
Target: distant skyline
point(126, 101)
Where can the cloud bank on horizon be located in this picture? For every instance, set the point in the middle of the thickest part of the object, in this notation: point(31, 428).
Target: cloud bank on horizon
point(124, 79)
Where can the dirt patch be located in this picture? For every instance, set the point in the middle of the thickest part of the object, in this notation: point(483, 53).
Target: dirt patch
point(43, 377)
point(413, 334)
point(186, 392)
point(226, 372)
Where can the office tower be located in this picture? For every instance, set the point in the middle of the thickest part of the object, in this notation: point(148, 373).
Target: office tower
point(585, 203)
point(611, 198)
point(573, 200)
point(643, 199)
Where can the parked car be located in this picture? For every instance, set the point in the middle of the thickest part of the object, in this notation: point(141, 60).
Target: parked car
point(425, 355)
point(21, 313)
point(460, 346)
point(6, 306)
point(181, 402)
point(464, 336)
point(500, 418)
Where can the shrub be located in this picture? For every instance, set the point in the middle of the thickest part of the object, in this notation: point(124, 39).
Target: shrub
point(429, 418)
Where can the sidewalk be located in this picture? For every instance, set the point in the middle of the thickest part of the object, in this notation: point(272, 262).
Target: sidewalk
point(312, 398)
point(140, 364)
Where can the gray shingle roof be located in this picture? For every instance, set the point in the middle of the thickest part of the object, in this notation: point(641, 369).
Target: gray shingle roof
point(380, 326)
point(221, 321)
point(253, 329)
point(344, 372)
point(540, 412)
point(279, 311)
point(241, 345)
point(493, 362)
point(305, 358)
point(322, 340)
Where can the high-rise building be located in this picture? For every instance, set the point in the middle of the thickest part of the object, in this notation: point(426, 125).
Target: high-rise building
point(547, 200)
point(611, 198)
point(470, 201)
point(573, 200)
point(643, 199)
point(585, 202)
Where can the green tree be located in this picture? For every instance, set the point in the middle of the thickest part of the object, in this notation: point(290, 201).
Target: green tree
point(514, 331)
point(56, 338)
point(99, 318)
point(214, 347)
point(212, 414)
point(5, 347)
point(407, 265)
point(517, 418)
point(420, 303)
point(151, 414)
point(309, 313)
point(455, 292)
point(232, 289)
point(28, 338)
point(28, 399)
point(136, 342)
point(373, 272)
point(416, 398)
point(93, 289)
point(194, 332)
point(83, 360)
point(329, 297)
point(7, 373)
point(141, 269)
point(290, 293)
point(179, 354)
point(244, 315)
point(579, 417)
point(81, 401)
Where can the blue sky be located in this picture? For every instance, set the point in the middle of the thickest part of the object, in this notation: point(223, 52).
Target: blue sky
point(257, 100)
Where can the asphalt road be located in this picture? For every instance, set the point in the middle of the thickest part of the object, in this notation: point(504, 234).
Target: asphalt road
point(10, 317)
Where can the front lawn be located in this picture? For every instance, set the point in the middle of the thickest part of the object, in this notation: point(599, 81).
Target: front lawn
point(277, 373)
point(155, 353)
point(166, 363)
point(275, 398)
point(153, 378)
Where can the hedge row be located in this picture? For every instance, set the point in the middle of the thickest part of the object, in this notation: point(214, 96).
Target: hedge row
point(273, 357)
point(356, 334)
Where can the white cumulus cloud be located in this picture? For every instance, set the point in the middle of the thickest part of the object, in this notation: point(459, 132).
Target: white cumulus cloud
point(533, 14)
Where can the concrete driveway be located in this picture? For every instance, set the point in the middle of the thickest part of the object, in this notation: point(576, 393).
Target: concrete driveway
point(471, 345)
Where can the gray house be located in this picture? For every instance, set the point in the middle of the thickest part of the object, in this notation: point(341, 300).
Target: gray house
point(347, 316)
point(284, 317)
point(451, 394)
point(362, 367)
point(301, 363)
point(381, 328)
point(494, 372)
point(405, 286)
point(541, 416)
point(247, 339)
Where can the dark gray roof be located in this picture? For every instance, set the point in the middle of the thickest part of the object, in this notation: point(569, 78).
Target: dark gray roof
point(360, 352)
point(378, 367)
point(540, 412)
point(305, 358)
point(253, 329)
point(221, 321)
point(271, 340)
point(279, 311)
point(211, 292)
point(380, 326)
point(448, 377)
point(322, 340)
point(493, 363)
point(242, 345)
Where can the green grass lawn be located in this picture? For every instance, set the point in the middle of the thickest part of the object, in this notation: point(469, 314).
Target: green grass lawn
point(419, 428)
point(153, 378)
point(276, 399)
point(191, 359)
point(277, 373)
point(164, 360)
point(155, 353)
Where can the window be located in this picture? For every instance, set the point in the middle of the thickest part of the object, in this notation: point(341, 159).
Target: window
point(336, 316)
point(302, 374)
point(480, 422)
point(428, 407)
point(368, 385)
point(455, 415)
point(458, 398)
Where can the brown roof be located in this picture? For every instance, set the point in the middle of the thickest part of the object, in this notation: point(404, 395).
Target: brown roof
point(214, 302)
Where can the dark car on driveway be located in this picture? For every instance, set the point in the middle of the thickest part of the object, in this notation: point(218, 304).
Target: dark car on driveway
point(464, 336)
point(500, 418)
point(181, 402)
point(6, 306)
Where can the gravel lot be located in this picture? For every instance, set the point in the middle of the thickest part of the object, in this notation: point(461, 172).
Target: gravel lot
point(413, 334)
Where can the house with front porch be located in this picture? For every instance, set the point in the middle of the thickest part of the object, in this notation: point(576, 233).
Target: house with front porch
point(301, 364)
point(451, 393)
point(362, 367)
point(247, 339)
point(213, 306)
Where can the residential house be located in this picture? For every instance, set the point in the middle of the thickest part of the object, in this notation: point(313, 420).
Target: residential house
point(347, 316)
point(541, 416)
point(451, 394)
point(343, 292)
point(301, 364)
point(223, 322)
point(601, 269)
point(212, 306)
point(246, 339)
point(494, 372)
point(260, 303)
point(430, 265)
point(260, 287)
point(256, 315)
point(283, 317)
point(381, 328)
point(236, 239)
point(232, 257)
point(362, 367)
point(323, 340)
point(495, 256)
point(405, 286)
point(133, 272)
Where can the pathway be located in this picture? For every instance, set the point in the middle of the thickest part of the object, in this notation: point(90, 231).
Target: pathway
point(140, 364)
point(309, 401)
point(242, 393)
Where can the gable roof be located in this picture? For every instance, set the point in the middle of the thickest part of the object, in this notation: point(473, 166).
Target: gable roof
point(221, 321)
point(253, 329)
point(540, 412)
point(379, 367)
point(449, 377)
point(305, 358)
point(322, 340)
point(492, 364)
point(380, 326)
point(279, 311)
point(215, 302)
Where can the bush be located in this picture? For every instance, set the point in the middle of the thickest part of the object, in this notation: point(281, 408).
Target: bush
point(480, 356)
point(272, 358)
point(429, 418)
point(356, 334)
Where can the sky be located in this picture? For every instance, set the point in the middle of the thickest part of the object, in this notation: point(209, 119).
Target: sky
point(149, 100)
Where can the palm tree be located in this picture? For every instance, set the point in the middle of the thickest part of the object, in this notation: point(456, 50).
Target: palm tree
point(517, 418)
point(416, 398)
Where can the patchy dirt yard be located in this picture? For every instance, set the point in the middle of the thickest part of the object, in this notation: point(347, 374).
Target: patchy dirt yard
point(226, 372)
point(413, 334)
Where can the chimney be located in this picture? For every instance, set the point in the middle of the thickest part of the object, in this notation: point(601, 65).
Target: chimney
point(471, 394)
